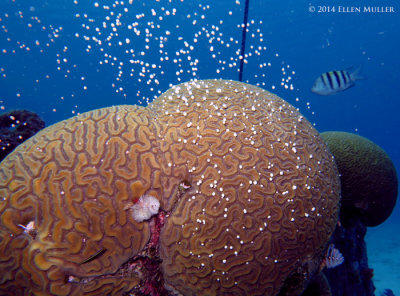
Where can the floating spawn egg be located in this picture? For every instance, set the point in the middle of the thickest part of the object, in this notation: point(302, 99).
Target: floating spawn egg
point(109, 29)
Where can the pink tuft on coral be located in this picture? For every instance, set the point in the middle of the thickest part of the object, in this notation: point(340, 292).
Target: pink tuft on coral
point(145, 208)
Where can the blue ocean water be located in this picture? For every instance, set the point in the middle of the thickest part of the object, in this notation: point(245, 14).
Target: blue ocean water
point(59, 58)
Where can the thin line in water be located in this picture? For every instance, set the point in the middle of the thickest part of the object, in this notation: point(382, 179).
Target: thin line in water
point(243, 47)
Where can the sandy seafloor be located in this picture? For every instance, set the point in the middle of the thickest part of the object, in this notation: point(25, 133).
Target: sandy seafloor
point(383, 247)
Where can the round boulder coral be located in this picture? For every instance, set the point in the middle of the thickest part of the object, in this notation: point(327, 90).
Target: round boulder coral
point(264, 190)
point(245, 197)
point(368, 178)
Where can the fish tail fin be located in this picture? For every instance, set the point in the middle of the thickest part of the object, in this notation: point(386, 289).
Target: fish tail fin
point(356, 74)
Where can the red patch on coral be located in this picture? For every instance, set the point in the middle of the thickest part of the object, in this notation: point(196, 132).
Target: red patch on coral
point(151, 261)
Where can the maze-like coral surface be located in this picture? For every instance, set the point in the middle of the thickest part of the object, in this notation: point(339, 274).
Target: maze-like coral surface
point(250, 191)
point(74, 180)
point(264, 189)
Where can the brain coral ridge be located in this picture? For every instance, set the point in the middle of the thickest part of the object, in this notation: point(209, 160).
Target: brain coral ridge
point(249, 190)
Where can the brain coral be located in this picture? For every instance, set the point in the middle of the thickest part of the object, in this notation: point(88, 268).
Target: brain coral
point(248, 198)
point(73, 181)
point(368, 177)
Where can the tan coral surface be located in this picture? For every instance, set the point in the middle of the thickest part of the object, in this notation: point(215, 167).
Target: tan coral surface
point(264, 196)
point(250, 190)
point(73, 181)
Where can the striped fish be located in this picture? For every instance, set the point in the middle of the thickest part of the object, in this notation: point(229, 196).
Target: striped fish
point(332, 82)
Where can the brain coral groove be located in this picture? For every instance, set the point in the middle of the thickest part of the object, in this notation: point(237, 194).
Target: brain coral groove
point(250, 190)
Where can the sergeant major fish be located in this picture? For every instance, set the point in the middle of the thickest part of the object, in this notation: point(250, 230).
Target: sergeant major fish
point(333, 82)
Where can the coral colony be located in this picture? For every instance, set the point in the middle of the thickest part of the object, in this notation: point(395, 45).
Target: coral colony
point(244, 193)
point(241, 192)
